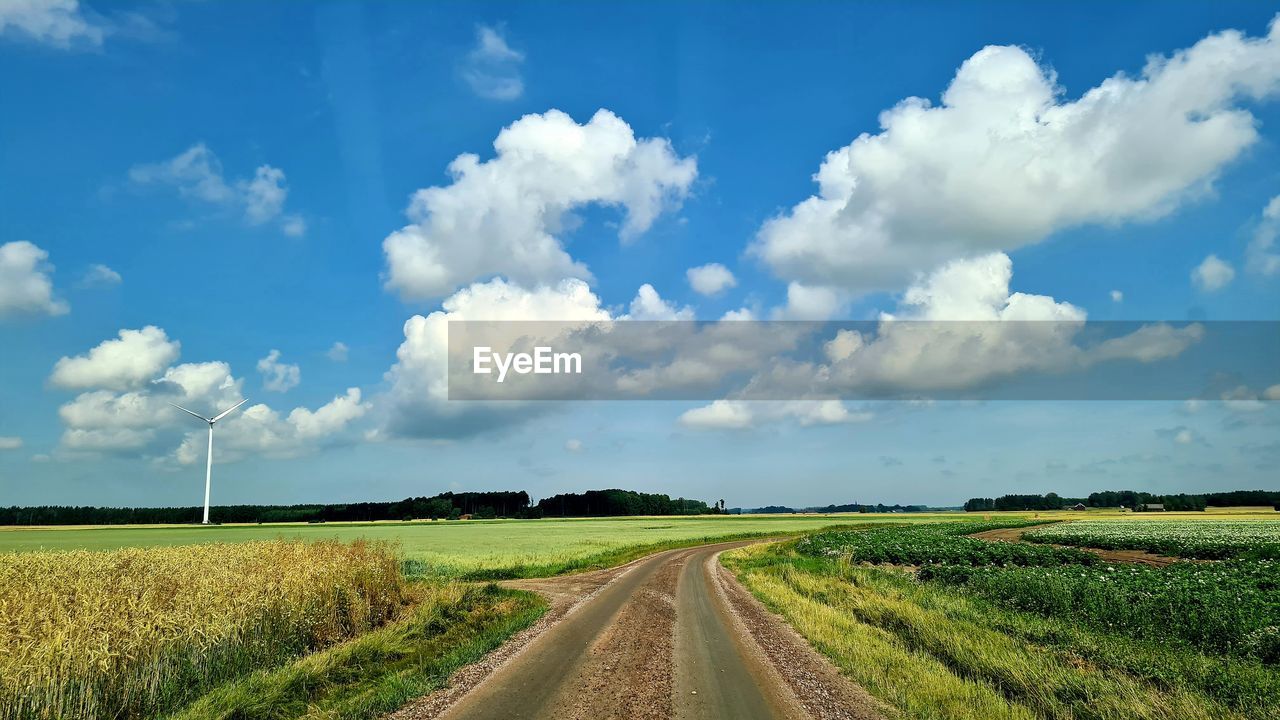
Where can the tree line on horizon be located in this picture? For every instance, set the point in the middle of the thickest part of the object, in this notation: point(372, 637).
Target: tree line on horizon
point(444, 506)
point(1129, 499)
point(848, 508)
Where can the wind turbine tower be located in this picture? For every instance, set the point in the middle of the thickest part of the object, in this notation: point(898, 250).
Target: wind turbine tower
point(208, 467)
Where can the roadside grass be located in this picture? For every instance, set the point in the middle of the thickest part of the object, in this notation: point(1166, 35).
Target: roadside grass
point(453, 624)
point(937, 653)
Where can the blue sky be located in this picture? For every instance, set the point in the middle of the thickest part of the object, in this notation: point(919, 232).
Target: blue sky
point(241, 170)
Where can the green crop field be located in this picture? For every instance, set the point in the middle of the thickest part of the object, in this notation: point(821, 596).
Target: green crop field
point(494, 548)
point(932, 622)
point(937, 624)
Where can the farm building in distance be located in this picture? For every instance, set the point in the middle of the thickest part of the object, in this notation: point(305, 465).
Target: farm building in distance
point(1150, 507)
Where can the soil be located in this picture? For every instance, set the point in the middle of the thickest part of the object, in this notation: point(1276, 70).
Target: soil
point(1140, 557)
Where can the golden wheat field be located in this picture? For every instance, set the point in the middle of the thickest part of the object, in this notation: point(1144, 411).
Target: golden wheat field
point(136, 632)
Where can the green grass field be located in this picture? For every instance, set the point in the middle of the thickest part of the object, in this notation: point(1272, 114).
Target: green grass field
point(460, 547)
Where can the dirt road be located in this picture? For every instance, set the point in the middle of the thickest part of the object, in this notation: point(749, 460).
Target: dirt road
point(1139, 557)
point(669, 636)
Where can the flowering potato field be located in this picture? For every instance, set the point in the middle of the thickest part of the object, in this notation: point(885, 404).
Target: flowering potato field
point(1058, 631)
point(1232, 607)
point(937, 543)
point(139, 632)
point(1205, 539)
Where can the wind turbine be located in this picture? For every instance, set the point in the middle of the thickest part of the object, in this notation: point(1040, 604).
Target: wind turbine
point(208, 468)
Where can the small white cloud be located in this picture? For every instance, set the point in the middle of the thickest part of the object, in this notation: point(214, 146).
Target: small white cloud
point(40, 458)
point(742, 415)
point(100, 276)
point(25, 286)
point(1181, 435)
point(294, 226)
point(197, 173)
point(338, 353)
point(1212, 274)
point(719, 415)
point(1117, 296)
point(710, 279)
point(805, 302)
point(573, 445)
point(492, 68)
point(59, 23)
point(1271, 393)
point(10, 442)
point(264, 195)
point(649, 305)
point(278, 376)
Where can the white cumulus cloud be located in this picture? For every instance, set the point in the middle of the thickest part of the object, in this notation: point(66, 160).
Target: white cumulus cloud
point(649, 305)
point(1212, 274)
point(504, 216)
point(25, 286)
point(8, 442)
point(710, 279)
point(1005, 160)
point(418, 397)
point(126, 408)
point(128, 361)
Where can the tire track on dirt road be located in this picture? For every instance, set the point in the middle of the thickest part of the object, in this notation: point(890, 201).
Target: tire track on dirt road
point(671, 635)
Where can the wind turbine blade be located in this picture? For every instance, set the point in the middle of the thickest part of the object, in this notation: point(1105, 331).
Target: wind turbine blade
point(191, 413)
point(227, 412)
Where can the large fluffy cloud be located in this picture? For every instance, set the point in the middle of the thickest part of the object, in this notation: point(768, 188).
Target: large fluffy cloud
point(130, 383)
point(418, 398)
point(25, 287)
point(128, 361)
point(503, 216)
point(958, 328)
point(1004, 161)
point(260, 429)
point(962, 326)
